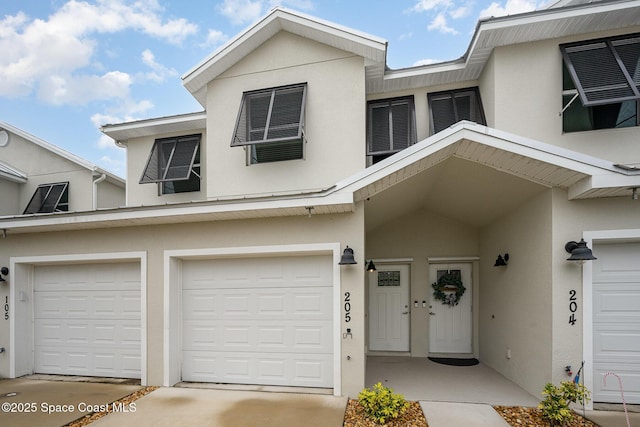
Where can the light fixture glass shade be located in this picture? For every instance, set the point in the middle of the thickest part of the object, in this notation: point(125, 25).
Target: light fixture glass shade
point(371, 267)
point(347, 257)
point(579, 251)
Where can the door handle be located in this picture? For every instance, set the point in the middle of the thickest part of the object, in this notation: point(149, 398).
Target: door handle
point(405, 312)
point(432, 313)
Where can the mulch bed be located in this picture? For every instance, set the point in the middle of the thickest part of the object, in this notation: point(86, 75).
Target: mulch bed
point(354, 416)
point(516, 416)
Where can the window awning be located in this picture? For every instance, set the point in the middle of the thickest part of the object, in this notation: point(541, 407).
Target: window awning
point(604, 71)
point(48, 198)
point(171, 159)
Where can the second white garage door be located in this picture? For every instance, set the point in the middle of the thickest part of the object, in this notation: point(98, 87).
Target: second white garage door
point(258, 321)
point(87, 320)
point(616, 321)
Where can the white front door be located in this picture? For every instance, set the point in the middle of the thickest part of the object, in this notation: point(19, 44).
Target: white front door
point(616, 322)
point(450, 326)
point(389, 308)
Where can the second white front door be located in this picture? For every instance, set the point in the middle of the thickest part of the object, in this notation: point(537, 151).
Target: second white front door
point(450, 325)
point(389, 313)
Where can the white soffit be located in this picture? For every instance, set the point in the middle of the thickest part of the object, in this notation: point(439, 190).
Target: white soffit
point(372, 48)
point(180, 123)
point(522, 28)
point(11, 174)
point(548, 165)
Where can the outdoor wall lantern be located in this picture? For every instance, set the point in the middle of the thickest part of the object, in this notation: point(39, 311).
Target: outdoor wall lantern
point(371, 267)
point(579, 251)
point(5, 271)
point(347, 257)
point(502, 261)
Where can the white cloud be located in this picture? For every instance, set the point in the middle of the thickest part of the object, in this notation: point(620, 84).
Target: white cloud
point(439, 23)
point(427, 62)
point(214, 38)
point(247, 11)
point(48, 56)
point(427, 5)
point(159, 73)
point(511, 7)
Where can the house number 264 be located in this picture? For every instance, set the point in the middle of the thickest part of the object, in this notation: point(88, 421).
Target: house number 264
point(347, 307)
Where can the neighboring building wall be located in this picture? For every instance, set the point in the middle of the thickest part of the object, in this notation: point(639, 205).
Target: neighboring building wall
point(110, 195)
point(334, 118)
point(527, 100)
point(516, 300)
point(10, 204)
point(138, 151)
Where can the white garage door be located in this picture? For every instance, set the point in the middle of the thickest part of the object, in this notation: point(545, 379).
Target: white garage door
point(87, 320)
point(258, 321)
point(616, 321)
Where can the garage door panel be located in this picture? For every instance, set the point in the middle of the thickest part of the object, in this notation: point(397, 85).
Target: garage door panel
point(259, 368)
point(82, 305)
point(630, 376)
point(87, 320)
point(258, 321)
point(616, 321)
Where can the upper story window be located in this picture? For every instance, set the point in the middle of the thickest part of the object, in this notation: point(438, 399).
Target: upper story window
point(174, 163)
point(604, 75)
point(450, 107)
point(390, 127)
point(271, 124)
point(49, 198)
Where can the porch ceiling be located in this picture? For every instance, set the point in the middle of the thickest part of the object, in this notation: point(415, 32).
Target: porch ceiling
point(463, 190)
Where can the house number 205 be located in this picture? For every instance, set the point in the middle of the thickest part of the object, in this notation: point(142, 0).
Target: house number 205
point(347, 307)
point(6, 308)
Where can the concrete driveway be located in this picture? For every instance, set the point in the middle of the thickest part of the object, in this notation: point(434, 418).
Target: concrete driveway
point(29, 402)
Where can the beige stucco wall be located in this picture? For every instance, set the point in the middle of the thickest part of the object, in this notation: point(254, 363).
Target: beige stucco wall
point(515, 301)
point(344, 229)
point(573, 218)
point(421, 235)
point(527, 100)
point(10, 204)
point(334, 118)
point(138, 151)
point(110, 195)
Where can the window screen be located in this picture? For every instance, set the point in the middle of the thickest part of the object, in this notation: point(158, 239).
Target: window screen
point(391, 126)
point(49, 198)
point(604, 71)
point(271, 115)
point(171, 159)
point(448, 108)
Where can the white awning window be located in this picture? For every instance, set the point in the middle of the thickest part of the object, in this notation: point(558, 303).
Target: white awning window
point(171, 159)
point(49, 198)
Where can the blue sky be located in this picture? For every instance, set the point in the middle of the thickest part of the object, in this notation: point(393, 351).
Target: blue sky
point(69, 66)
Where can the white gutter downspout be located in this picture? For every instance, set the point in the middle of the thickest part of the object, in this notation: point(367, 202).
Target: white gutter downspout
point(95, 190)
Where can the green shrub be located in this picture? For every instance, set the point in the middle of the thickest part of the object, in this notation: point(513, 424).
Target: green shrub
point(381, 404)
point(555, 406)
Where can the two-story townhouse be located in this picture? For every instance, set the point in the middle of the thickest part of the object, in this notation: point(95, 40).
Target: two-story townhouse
point(38, 177)
point(465, 183)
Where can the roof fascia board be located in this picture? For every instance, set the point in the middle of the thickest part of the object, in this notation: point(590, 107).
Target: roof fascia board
point(60, 152)
point(12, 174)
point(170, 213)
point(483, 135)
point(603, 182)
point(121, 130)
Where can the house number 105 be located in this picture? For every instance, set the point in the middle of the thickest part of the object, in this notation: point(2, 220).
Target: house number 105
point(347, 307)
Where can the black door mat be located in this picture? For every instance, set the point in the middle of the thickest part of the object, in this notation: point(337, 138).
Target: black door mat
point(454, 362)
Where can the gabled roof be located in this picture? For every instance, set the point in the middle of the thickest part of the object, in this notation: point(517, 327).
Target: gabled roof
point(12, 174)
point(548, 165)
point(372, 48)
point(62, 153)
point(179, 123)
